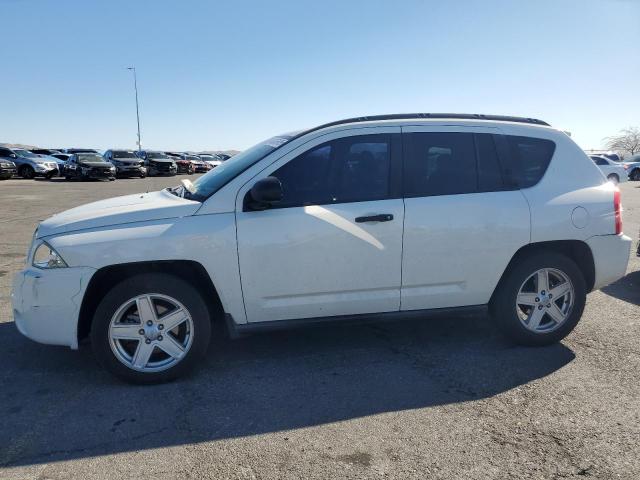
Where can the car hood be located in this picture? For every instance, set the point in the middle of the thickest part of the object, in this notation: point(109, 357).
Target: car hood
point(119, 210)
point(161, 160)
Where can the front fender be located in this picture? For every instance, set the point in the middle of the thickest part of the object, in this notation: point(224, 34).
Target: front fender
point(207, 239)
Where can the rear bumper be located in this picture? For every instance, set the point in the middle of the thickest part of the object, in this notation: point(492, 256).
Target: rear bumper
point(46, 303)
point(610, 256)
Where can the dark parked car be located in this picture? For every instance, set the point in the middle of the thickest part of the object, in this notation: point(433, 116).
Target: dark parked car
point(158, 163)
point(7, 169)
point(126, 162)
point(184, 166)
point(85, 166)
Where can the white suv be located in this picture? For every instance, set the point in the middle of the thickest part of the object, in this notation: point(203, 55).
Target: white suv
point(385, 217)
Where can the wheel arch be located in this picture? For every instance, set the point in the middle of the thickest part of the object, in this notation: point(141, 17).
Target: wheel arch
point(576, 250)
point(105, 278)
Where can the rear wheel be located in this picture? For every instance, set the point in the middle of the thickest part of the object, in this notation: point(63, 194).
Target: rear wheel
point(151, 328)
point(540, 300)
point(27, 171)
point(613, 178)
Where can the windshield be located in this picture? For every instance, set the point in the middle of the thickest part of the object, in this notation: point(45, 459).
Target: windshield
point(191, 157)
point(123, 154)
point(157, 155)
point(211, 182)
point(89, 157)
point(208, 158)
point(26, 153)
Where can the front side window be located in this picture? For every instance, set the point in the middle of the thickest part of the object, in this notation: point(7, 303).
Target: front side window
point(439, 163)
point(350, 169)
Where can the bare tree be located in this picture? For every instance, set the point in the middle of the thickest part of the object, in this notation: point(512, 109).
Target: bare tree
point(627, 141)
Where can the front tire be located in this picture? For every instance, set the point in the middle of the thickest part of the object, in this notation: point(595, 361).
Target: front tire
point(27, 172)
point(151, 328)
point(540, 299)
point(635, 174)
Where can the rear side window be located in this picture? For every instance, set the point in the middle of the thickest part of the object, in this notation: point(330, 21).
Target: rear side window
point(531, 157)
point(438, 163)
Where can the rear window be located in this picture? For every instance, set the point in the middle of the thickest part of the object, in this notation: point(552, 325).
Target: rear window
point(531, 156)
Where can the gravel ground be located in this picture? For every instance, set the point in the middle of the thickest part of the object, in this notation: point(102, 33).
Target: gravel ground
point(438, 399)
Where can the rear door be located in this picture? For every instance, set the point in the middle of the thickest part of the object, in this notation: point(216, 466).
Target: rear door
point(463, 219)
point(333, 245)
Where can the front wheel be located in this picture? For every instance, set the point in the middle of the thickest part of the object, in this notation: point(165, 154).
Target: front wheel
point(151, 328)
point(27, 172)
point(635, 174)
point(540, 300)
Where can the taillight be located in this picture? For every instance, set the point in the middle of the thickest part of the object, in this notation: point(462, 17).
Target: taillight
point(617, 210)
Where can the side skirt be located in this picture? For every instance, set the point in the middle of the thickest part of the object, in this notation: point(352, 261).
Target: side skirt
point(239, 330)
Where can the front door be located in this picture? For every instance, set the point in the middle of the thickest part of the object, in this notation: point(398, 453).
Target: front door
point(333, 245)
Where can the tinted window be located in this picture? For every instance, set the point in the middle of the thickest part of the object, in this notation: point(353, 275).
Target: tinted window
point(439, 164)
point(352, 169)
point(532, 157)
point(599, 161)
point(489, 171)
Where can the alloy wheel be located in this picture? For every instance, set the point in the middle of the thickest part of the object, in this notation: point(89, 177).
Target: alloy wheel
point(151, 332)
point(545, 300)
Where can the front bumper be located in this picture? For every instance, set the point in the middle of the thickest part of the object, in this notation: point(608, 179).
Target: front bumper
point(611, 256)
point(8, 172)
point(46, 303)
point(131, 171)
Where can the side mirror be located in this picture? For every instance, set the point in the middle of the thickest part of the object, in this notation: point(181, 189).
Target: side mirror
point(13, 155)
point(265, 192)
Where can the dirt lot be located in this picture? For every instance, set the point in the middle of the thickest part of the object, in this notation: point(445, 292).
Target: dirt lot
point(438, 399)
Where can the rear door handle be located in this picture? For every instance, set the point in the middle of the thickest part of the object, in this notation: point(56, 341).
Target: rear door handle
point(383, 217)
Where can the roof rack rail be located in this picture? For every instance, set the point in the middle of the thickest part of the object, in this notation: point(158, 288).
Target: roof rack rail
point(402, 116)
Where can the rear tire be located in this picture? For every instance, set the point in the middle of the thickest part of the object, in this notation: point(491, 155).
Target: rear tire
point(614, 178)
point(169, 294)
point(518, 321)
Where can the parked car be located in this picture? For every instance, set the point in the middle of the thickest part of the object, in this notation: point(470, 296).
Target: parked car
point(414, 215)
point(614, 171)
point(223, 156)
point(211, 160)
point(199, 165)
point(158, 163)
point(89, 166)
point(29, 164)
point(126, 162)
point(7, 169)
point(632, 166)
point(183, 165)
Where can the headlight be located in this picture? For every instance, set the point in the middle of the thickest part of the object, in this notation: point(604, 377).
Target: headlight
point(112, 168)
point(46, 257)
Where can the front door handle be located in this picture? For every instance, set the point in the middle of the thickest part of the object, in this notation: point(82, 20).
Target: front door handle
point(383, 217)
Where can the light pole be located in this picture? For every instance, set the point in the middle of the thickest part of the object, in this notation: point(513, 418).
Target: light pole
point(135, 86)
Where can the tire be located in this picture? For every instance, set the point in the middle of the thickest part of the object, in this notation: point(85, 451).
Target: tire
point(613, 178)
point(165, 290)
point(49, 176)
point(635, 174)
point(191, 170)
point(507, 314)
point(27, 172)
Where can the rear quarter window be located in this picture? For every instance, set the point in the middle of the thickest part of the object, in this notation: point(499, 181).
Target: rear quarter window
point(531, 157)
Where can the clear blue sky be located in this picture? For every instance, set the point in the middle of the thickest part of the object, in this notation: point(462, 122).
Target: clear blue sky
point(228, 74)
